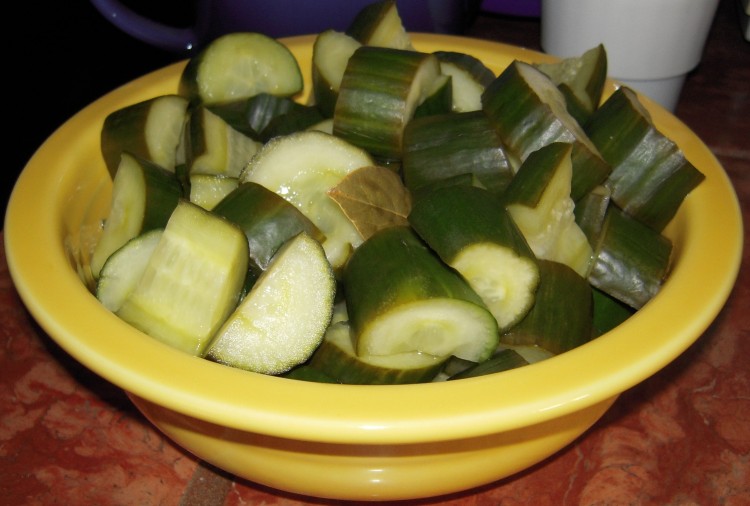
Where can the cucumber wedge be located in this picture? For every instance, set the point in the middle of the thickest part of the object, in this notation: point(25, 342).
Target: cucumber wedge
point(207, 190)
point(538, 199)
point(267, 219)
point(281, 322)
point(444, 146)
point(529, 112)
point(402, 299)
point(143, 198)
point(124, 268)
point(469, 76)
point(581, 80)
point(239, 65)
point(213, 146)
point(379, 24)
point(650, 175)
point(379, 94)
point(151, 130)
point(631, 259)
point(192, 281)
point(302, 168)
point(331, 53)
point(336, 358)
point(562, 316)
point(471, 232)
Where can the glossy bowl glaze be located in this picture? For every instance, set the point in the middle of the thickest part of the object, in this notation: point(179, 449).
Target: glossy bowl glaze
point(347, 441)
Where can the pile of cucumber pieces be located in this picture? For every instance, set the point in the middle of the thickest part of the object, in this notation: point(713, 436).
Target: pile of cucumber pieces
point(419, 219)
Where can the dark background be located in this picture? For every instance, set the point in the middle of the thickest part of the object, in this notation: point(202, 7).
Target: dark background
point(60, 56)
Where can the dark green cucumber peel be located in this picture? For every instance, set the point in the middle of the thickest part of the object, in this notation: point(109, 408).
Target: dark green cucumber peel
point(394, 281)
point(651, 176)
point(562, 316)
point(447, 145)
point(470, 231)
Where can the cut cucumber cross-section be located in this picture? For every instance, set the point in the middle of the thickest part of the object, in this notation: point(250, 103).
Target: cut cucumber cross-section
point(143, 197)
point(281, 322)
point(402, 299)
point(237, 66)
point(470, 231)
point(192, 281)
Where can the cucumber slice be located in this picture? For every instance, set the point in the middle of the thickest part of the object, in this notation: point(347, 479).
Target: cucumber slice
point(213, 147)
point(192, 281)
point(562, 316)
point(281, 322)
point(151, 130)
point(124, 268)
point(143, 198)
point(302, 168)
point(650, 175)
point(237, 66)
point(443, 146)
point(538, 199)
point(438, 98)
point(379, 24)
point(529, 112)
point(379, 94)
point(470, 77)
point(267, 219)
point(331, 53)
point(581, 80)
point(402, 299)
point(336, 358)
point(631, 259)
point(471, 232)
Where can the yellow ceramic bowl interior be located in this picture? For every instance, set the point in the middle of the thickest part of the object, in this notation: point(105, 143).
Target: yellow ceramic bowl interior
point(345, 441)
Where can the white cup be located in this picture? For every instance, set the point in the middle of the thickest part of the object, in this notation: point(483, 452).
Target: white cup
point(651, 44)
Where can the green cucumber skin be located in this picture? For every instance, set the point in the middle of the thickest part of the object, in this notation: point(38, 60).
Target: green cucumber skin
point(538, 170)
point(407, 270)
point(163, 193)
point(267, 220)
point(372, 109)
point(650, 176)
point(447, 145)
point(448, 219)
point(562, 316)
point(123, 130)
point(631, 260)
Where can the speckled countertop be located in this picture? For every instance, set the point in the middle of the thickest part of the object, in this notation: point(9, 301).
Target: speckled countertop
point(680, 438)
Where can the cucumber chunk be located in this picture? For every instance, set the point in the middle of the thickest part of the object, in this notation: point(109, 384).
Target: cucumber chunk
point(281, 322)
point(124, 268)
point(239, 65)
point(192, 282)
point(402, 299)
point(143, 198)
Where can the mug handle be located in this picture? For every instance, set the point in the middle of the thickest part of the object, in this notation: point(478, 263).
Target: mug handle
point(146, 30)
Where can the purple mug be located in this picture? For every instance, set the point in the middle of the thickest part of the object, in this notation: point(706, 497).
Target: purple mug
point(279, 18)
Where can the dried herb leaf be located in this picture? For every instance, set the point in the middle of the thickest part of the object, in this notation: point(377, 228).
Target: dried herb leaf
point(373, 198)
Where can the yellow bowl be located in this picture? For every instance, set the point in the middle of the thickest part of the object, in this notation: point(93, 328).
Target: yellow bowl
point(347, 441)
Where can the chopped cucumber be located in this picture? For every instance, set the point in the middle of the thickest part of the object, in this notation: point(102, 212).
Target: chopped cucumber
point(151, 130)
point(331, 53)
point(239, 65)
point(402, 299)
point(379, 24)
point(281, 322)
point(124, 268)
point(538, 198)
point(192, 281)
point(143, 198)
point(471, 232)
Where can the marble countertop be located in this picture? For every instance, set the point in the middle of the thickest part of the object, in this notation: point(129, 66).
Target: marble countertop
point(680, 437)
